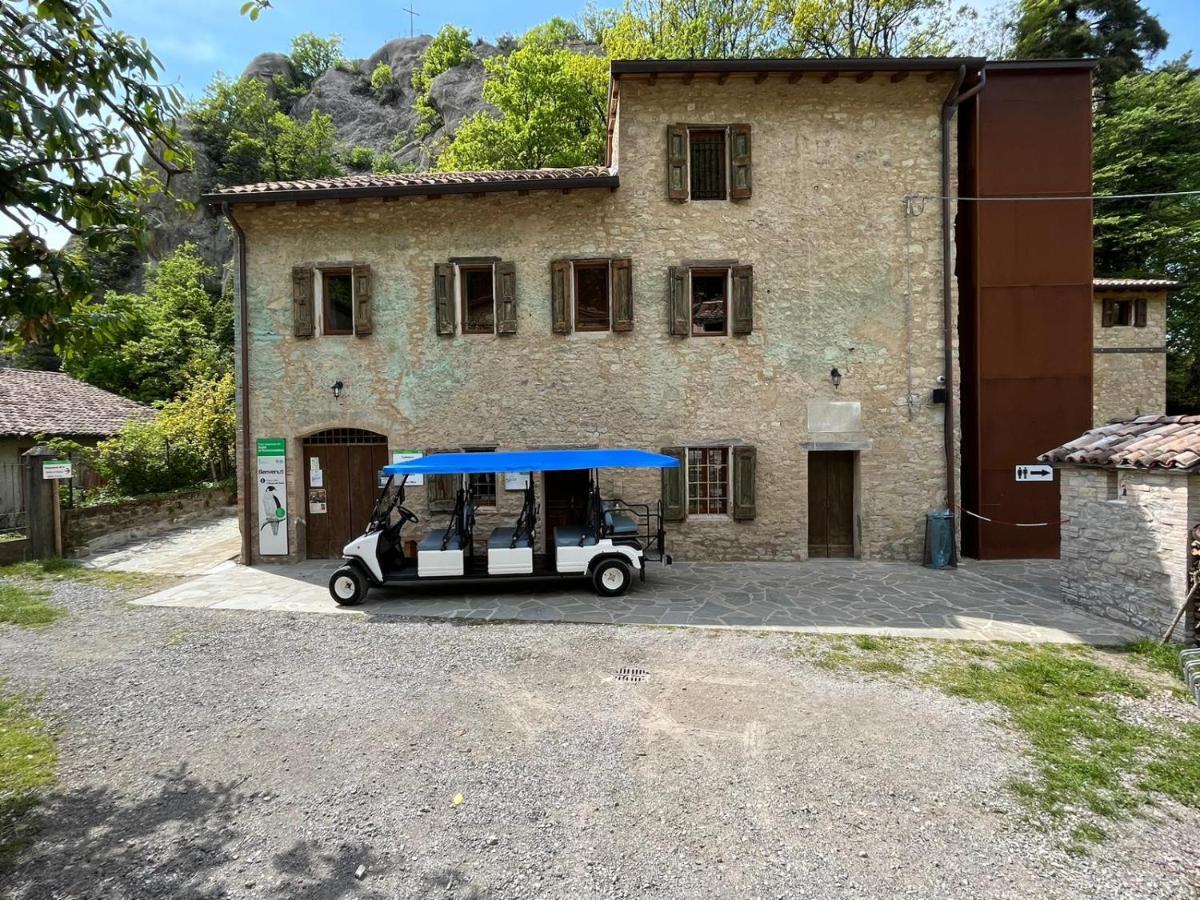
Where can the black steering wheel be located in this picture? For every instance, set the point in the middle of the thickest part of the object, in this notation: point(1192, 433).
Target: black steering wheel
point(407, 515)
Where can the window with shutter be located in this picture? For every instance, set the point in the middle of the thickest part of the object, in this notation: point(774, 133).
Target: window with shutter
point(679, 306)
point(622, 294)
point(677, 150)
point(337, 301)
point(362, 300)
point(592, 302)
point(506, 311)
point(478, 287)
point(674, 501)
point(1139, 313)
point(706, 164)
point(745, 472)
point(1108, 316)
point(739, 160)
point(441, 491)
point(303, 301)
point(560, 273)
point(443, 291)
point(743, 299)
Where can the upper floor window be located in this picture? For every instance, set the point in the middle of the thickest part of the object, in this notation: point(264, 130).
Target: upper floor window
point(591, 295)
point(475, 296)
point(1124, 312)
point(708, 162)
point(345, 302)
point(709, 299)
point(337, 301)
point(477, 287)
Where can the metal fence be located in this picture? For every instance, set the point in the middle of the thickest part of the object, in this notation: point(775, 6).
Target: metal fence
point(12, 496)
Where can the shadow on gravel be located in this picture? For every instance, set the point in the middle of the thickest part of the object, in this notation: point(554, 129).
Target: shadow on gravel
point(319, 874)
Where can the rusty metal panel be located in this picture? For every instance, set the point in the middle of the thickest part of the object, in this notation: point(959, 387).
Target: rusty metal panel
point(1034, 243)
point(1025, 327)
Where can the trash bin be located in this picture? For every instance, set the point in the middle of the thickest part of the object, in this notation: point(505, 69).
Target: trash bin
point(939, 539)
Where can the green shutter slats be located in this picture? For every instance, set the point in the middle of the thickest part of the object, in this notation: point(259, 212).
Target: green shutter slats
point(674, 499)
point(677, 183)
point(743, 299)
point(678, 306)
point(1139, 313)
point(303, 301)
point(739, 160)
point(622, 294)
point(443, 303)
point(506, 298)
point(745, 466)
point(560, 274)
point(362, 300)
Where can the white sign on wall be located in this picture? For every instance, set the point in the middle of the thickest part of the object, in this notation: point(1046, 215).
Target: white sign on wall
point(516, 481)
point(1035, 473)
point(272, 497)
point(54, 469)
point(403, 456)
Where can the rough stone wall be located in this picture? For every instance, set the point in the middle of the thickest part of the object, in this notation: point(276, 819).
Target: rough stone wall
point(834, 276)
point(1126, 558)
point(108, 523)
point(1128, 384)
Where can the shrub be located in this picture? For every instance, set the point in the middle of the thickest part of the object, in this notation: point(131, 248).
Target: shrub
point(450, 47)
point(382, 78)
point(360, 159)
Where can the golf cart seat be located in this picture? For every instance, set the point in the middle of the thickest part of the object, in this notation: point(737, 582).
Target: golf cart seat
point(433, 541)
point(502, 539)
point(573, 536)
point(619, 524)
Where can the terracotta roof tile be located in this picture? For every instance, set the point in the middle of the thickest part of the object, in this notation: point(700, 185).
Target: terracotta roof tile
point(34, 402)
point(1147, 442)
point(1134, 284)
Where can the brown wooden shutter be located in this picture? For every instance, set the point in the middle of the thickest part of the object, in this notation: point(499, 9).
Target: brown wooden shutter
point(745, 471)
point(441, 491)
point(363, 284)
point(1139, 313)
point(674, 499)
point(677, 183)
point(739, 158)
point(443, 297)
point(622, 294)
point(303, 301)
point(743, 299)
point(678, 306)
point(560, 275)
point(506, 298)
point(1109, 313)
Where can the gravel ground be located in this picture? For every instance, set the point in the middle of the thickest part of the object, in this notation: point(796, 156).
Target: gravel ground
point(233, 754)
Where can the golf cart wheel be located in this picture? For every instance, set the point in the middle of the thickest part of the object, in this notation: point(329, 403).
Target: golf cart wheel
point(348, 586)
point(611, 577)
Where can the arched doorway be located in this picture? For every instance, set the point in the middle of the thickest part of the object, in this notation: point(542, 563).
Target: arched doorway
point(341, 478)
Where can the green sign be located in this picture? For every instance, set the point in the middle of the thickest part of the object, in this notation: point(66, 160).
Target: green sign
point(272, 447)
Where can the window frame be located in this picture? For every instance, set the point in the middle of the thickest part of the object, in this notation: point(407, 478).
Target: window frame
point(592, 263)
point(326, 309)
point(723, 131)
point(460, 272)
point(706, 271)
point(470, 484)
point(726, 498)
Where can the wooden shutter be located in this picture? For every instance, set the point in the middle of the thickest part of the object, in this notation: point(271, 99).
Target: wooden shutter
point(674, 499)
point(677, 182)
point(1109, 313)
point(441, 491)
point(443, 297)
point(622, 294)
point(739, 158)
point(560, 276)
point(678, 306)
point(743, 299)
point(1139, 313)
point(303, 301)
point(506, 298)
point(362, 300)
point(745, 471)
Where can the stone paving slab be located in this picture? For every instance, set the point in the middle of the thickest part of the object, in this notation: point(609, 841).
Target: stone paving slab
point(191, 549)
point(978, 601)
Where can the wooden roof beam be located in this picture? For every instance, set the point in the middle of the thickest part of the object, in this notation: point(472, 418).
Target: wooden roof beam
point(794, 77)
point(864, 76)
point(828, 77)
point(760, 77)
point(688, 77)
point(898, 77)
point(722, 78)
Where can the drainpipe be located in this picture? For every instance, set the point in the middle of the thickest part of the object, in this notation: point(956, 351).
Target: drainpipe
point(247, 488)
point(949, 107)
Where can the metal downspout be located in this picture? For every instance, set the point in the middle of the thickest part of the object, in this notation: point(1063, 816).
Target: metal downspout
point(247, 487)
point(949, 107)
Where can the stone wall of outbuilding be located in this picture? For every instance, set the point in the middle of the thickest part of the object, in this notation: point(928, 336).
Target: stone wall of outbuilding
point(1129, 363)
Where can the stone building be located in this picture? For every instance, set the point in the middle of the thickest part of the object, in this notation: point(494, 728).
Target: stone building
point(756, 281)
point(1129, 322)
point(1131, 497)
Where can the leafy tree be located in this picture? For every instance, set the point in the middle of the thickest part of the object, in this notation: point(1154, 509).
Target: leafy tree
point(250, 139)
point(382, 77)
point(78, 102)
point(687, 29)
point(449, 47)
point(313, 56)
point(1122, 34)
point(852, 28)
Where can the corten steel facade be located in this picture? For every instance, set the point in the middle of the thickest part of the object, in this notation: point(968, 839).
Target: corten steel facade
point(1025, 280)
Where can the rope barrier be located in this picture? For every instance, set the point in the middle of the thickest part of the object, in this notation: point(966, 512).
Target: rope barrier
point(975, 515)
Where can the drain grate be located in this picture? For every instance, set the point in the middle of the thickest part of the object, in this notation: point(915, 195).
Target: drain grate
point(632, 673)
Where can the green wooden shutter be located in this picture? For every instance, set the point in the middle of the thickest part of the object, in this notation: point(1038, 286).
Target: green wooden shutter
point(739, 158)
point(443, 297)
point(743, 299)
point(622, 294)
point(441, 491)
point(745, 466)
point(362, 300)
point(677, 182)
point(560, 276)
point(302, 301)
point(674, 498)
point(679, 308)
point(1139, 313)
point(506, 298)
point(1108, 313)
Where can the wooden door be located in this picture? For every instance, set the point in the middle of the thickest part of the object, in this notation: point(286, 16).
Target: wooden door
point(565, 502)
point(349, 478)
point(831, 504)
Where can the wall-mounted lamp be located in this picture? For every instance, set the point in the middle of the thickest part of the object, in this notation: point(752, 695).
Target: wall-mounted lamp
point(835, 376)
point(337, 390)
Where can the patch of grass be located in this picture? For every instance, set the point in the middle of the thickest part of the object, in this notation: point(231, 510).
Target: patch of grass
point(21, 606)
point(883, 656)
point(69, 570)
point(1162, 658)
point(27, 761)
point(869, 642)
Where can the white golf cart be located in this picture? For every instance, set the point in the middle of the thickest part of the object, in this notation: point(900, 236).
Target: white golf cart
point(614, 541)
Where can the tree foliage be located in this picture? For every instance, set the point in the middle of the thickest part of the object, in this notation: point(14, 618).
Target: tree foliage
point(853, 28)
point(313, 56)
point(688, 29)
point(78, 102)
point(450, 47)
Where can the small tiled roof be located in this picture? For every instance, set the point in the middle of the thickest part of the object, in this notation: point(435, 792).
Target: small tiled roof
point(1134, 284)
point(367, 185)
point(1147, 442)
point(33, 402)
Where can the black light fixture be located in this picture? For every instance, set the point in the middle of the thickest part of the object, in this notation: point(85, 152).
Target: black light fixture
point(337, 390)
point(835, 376)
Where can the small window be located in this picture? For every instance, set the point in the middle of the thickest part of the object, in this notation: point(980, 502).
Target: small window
point(706, 151)
point(708, 481)
point(1124, 313)
point(337, 293)
point(591, 296)
point(1112, 485)
point(478, 300)
point(482, 484)
point(710, 301)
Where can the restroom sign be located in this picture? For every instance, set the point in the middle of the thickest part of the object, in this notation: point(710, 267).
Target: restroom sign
point(1035, 473)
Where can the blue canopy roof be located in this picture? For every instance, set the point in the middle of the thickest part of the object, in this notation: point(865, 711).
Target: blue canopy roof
point(530, 461)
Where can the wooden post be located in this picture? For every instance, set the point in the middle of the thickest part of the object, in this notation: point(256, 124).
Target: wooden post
point(43, 523)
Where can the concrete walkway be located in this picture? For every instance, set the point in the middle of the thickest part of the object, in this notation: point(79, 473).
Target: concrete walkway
point(979, 601)
point(190, 549)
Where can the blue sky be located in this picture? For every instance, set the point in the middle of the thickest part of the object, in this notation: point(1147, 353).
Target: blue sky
point(195, 39)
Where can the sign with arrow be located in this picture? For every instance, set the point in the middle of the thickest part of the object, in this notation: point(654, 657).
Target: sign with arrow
point(1035, 473)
